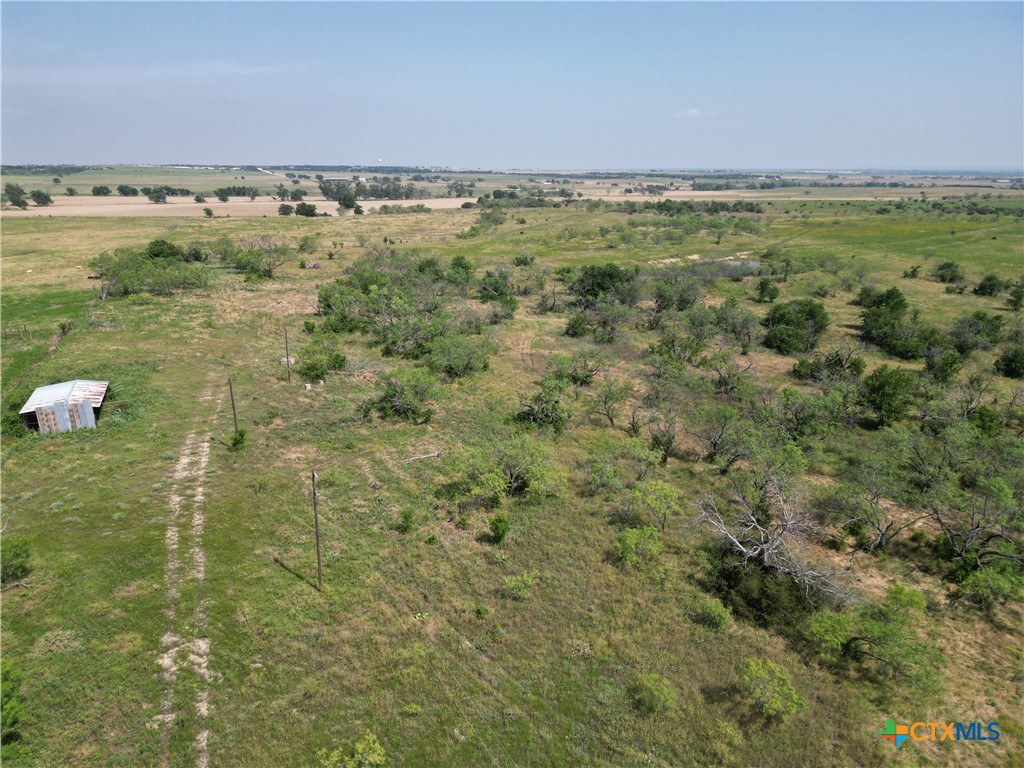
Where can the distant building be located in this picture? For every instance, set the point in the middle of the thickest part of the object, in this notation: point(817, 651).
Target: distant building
point(65, 406)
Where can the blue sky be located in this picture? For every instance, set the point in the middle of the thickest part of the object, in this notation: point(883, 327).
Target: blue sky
point(511, 85)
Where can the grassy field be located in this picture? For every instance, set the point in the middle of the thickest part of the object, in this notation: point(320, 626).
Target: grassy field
point(172, 615)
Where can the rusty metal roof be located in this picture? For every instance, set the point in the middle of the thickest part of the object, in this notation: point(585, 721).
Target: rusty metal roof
point(77, 391)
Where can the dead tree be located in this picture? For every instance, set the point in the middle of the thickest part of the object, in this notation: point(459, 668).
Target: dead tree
point(769, 528)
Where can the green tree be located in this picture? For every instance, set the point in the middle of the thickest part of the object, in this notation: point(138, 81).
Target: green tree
point(769, 687)
point(101, 191)
point(1011, 362)
point(795, 326)
point(126, 190)
point(1015, 301)
point(991, 285)
point(544, 408)
point(948, 272)
point(512, 466)
point(889, 393)
point(305, 209)
point(636, 547)
point(659, 500)
point(15, 195)
point(880, 639)
point(41, 198)
point(767, 290)
point(285, 210)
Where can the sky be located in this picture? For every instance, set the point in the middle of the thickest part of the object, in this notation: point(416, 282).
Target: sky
point(516, 85)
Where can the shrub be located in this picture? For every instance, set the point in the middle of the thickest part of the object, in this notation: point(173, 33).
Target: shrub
point(237, 441)
point(991, 285)
point(518, 587)
point(770, 688)
point(41, 198)
point(407, 520)
point(312, 363)
point(544, 408)
point(943, 364)
point(653, 694)
point(795, 326)
point(978, 330)
point(1015, 301)
point(101, 190)
point(366, 753)
point(636, 546)
point(889, 393)
point(513, 466)
point(948, 272)
point(578, 325)
point(405, 395)
point(11, 709)
point(1011, 363)
point(459, 356)
point(285, 210)
point(14, 559)
point(767, 290)
point(500, 527)
point(305, 209)
point(712, 614)
point(208, 212)
point(128, 271)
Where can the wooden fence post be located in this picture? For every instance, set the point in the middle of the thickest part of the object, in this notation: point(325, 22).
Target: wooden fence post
point(287, 356)
point(316, 528)
point(234, 414)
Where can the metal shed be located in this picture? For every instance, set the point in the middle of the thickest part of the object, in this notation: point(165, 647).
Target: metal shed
point(65, 406)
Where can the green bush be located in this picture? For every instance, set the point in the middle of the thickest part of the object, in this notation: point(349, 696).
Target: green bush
point(709, 612)
point(578, 325)
point(638, 546)
point(652, 694)
point(312, 364)
point(459, 356)
point(948, 272)
point(889, 392)
point(129, 271)
point(519, 587)
point(14, 559)
point(767, 290)
point(366, 753)
point(405, 395)
point(237, 441)
point(795, 326)
point(500, 527)
point(769, 687)
point(407, 520)
point(11, 709)
point(991, 285)
point(1011, 363)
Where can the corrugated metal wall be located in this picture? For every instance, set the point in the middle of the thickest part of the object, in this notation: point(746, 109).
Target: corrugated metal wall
point(64, 417)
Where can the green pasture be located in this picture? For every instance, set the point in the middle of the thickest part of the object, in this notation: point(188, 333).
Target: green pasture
point(414, 637)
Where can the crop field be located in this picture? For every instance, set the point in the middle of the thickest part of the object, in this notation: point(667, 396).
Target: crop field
point(171, 615)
